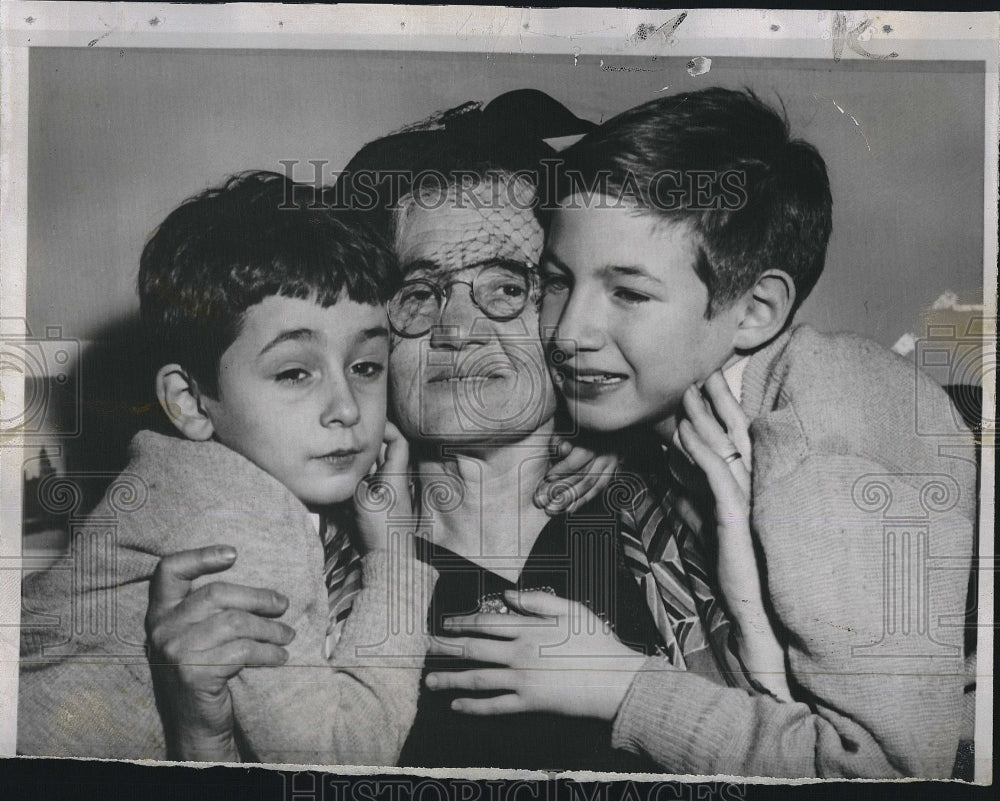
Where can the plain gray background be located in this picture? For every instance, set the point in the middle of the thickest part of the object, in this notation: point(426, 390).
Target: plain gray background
point(118, 138)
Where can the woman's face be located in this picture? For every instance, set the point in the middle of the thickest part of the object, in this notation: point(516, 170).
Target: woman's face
point(470, 379)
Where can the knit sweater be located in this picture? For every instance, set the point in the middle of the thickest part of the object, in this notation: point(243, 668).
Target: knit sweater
point(866, 531)
point(85, 685)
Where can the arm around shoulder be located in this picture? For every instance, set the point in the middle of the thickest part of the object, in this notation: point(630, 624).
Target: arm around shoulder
point(356, 707)
point(866, 573)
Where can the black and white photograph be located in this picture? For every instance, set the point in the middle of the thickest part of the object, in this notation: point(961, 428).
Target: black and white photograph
point(449, 389)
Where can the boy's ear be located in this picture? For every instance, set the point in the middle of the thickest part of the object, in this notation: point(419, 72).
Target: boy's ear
point(766, 306)
point(179, 397)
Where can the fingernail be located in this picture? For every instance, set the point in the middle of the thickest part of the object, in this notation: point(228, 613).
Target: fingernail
point(431, 681)
point(284, 656)
point(226, 553)
point(289, 634)
point(457, 705)
point(280, 600)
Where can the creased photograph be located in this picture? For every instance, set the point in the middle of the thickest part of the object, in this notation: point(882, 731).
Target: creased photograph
point(456, 388)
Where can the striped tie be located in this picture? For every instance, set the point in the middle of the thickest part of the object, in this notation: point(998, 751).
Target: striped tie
point(667, 598)
point(666, 548)
point(342, 570)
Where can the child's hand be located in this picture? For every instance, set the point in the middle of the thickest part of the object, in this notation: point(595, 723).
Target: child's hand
point(385, 491)
point(715, 434)
point(563, 659)
point(198, 640)
point(585, 467)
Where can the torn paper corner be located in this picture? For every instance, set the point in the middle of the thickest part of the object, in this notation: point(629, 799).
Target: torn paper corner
point(699, 65)
point(948, 300)
point(905, 345)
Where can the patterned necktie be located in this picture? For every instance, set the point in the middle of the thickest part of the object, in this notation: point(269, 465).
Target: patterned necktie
point(342, 570)
point(666, 547)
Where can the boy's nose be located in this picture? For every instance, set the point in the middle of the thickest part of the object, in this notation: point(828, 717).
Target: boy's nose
point(341, 408)
point(577, 326)
point(461, 322)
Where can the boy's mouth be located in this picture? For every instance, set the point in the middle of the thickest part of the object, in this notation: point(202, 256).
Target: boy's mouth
point(598, 378)
point(584, 384)
point(341, 458)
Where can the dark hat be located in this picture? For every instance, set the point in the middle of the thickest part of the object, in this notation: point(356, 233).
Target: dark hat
point(507, 134)
point(529, 114)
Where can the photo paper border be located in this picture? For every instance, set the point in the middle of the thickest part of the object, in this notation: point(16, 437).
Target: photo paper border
point(572, 32)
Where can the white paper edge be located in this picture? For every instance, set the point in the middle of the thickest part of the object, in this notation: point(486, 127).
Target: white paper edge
point(580, 31)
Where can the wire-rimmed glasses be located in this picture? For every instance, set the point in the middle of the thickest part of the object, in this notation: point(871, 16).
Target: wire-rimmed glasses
point(501, 290)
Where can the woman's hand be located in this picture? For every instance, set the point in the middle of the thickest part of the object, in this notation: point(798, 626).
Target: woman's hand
point(563, 659)
point(586, 466)
point(715, 433)
point(385, 491)
point(200, 639)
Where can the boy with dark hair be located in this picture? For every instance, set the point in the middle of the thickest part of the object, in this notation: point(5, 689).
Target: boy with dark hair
point(687, 232)
point(272, 342)
point(725, 163)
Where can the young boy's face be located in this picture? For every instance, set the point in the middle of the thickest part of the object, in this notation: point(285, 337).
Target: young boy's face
point(302, 394)
point(621, 287)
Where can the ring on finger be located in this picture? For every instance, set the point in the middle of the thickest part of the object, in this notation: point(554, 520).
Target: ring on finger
point(732, 457)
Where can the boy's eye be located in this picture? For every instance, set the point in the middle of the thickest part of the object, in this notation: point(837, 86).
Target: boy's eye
point(292, 376)
point(368, 369)
point(552, 283)
point(630, 295)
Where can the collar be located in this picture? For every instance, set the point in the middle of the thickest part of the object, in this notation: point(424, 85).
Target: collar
point(680, 465)
point(757, 380)
point(734, 377)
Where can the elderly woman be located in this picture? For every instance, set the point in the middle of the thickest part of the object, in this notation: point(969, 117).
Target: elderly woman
point(471, 390)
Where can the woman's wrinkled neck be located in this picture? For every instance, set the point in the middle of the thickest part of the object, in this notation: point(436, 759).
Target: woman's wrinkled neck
point(477, 502)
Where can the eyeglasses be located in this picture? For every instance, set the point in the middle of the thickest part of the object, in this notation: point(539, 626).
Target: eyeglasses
point(501, 290)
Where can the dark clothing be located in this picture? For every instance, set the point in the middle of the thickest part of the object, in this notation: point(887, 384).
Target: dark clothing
point(576, 557)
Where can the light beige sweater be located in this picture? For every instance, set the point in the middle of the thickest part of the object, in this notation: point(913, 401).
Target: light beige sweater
point(864, 504)
point(85, 685)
